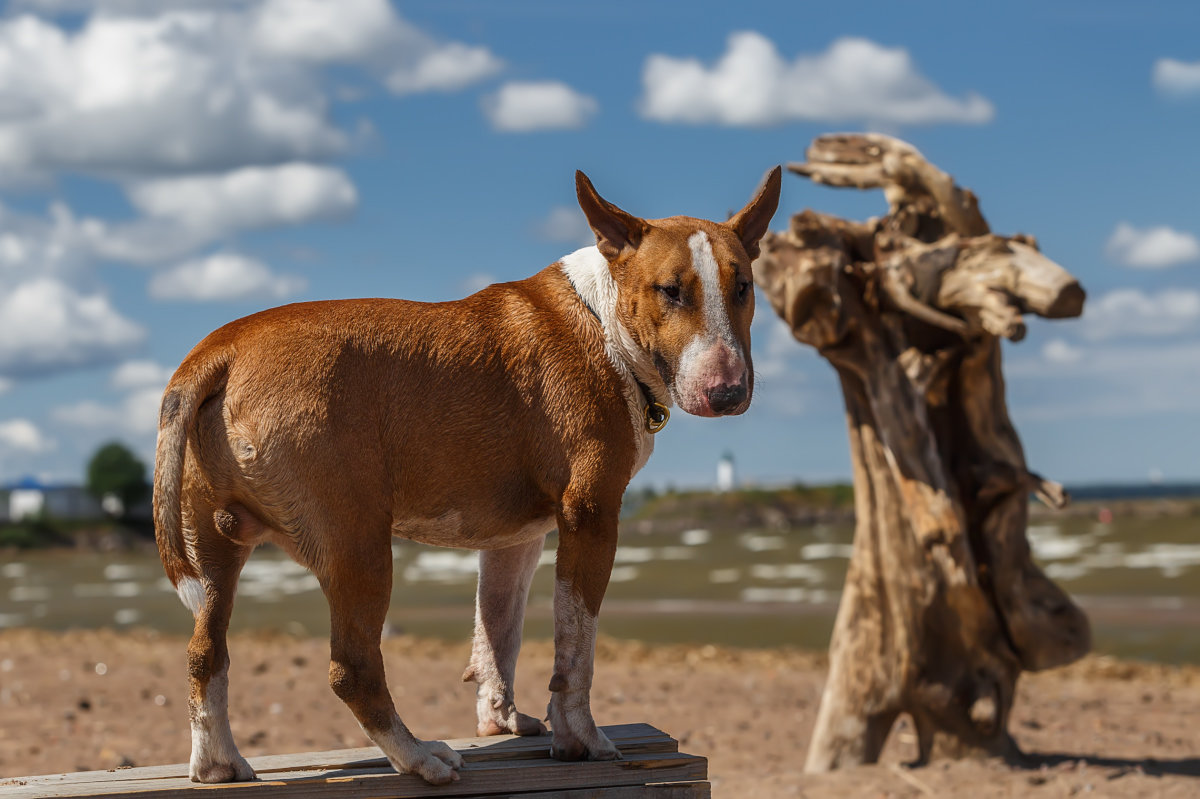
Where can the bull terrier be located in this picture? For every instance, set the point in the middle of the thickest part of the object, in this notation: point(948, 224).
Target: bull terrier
point(329, 427)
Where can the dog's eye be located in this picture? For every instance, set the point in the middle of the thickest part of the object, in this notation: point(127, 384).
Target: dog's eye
point(743, 289)
point(671, 292)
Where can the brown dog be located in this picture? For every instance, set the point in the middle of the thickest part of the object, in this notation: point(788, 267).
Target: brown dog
point(329, 427)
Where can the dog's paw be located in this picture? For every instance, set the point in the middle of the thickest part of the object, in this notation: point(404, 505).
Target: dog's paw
point(514, 723)
point(576, 736)
point(432, 761)
point(211, 771)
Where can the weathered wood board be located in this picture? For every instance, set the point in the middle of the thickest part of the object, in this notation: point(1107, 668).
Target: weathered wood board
point(500, 766)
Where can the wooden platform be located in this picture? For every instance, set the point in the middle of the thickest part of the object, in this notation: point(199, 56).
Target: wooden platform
point(500, 766)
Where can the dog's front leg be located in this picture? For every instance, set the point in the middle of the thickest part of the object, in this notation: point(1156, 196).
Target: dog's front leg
point(504, 577)
point(587, 545)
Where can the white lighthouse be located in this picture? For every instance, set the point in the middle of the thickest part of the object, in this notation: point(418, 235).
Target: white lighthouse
point(725, 474)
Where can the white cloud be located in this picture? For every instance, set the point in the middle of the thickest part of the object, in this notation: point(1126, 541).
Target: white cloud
point(145, 87)
point(23, 435)
point(251, 197)
point(1151, 248)
point(47, 326)
point(752, 84)
point(566, 225)
point(521, 107)
point(1108, 381)
point(446, 68)
point(224, 276)
point(1132, 312)
point(320, 30)
point(369, 32)
point(1060, 351)
point(5, 385)
point(476, 282)
point(141, 374)
point(176, 91)
point(1176, 77)
point(136, 413)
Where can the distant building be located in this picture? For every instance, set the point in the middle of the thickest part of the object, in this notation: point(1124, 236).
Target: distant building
point(726, 478)
point(30, 498)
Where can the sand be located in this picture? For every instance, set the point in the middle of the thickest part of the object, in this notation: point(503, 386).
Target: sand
point(99, 699)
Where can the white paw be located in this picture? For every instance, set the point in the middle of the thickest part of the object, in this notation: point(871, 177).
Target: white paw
point(432, 761)
point(211, 771)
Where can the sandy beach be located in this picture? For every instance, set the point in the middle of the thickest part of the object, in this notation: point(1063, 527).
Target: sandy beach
point(100, 699)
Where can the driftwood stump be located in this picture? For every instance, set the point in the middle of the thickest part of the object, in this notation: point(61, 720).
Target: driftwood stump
point(943, 605)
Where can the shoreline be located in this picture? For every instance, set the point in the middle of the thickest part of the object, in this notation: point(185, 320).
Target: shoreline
point(102, 699)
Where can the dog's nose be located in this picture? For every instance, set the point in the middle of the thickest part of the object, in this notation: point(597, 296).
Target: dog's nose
point(727, 397)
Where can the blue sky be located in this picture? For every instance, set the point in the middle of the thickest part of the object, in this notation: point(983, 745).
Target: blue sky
point(168, 166)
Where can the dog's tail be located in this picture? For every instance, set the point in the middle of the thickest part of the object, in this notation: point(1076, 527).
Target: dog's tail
point(197, 379)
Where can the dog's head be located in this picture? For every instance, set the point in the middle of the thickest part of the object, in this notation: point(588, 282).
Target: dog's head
point(686, 293)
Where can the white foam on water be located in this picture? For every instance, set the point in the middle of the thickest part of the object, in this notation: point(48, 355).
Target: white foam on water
point(28, 593)
point(623, 574)
point(443, 566)
point(760, 543)
point(823, 550)
point(720, 576)
point(14, 571)
point(119, 571)
point(794, 595)
point(804, 572)
point(695, 538)
point(127, 616)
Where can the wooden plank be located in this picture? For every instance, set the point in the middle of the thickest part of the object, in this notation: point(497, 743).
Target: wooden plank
point(630, 739)
point(484, 778)
point(673, 790)
point(496, 766)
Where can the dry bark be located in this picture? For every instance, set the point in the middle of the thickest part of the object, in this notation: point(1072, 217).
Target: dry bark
point(943, 605)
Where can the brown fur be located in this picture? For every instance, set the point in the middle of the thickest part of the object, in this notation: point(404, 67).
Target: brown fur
point(329, 427)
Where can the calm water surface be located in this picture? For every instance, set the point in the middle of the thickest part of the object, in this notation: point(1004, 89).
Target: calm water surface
point(1138, 578)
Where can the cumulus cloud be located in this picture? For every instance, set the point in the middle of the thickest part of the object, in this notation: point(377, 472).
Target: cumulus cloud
point(753, 85)
point(143, 88)
point(23, 435)
point(136, 413)
point(1151, 248)
point(1059, 351)
point(48, 326)
point(1132, 312)
point(141, 374)
point(521, 107)
point(251, 197)
point(477, 282)
point(566, 225)
point(369, 32)
point(1176, 77)
point(176, 91)
point(223, 277)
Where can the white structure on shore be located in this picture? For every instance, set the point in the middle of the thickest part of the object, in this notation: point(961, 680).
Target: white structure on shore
point(726, 478)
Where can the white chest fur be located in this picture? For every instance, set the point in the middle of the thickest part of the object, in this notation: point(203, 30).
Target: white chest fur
point(588, 271)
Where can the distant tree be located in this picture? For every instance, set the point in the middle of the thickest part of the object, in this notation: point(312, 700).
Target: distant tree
point(114, 471)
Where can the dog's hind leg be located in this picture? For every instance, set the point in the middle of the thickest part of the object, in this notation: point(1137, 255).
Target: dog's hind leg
point(215, 757)
point(357, 578)
point(504, 577)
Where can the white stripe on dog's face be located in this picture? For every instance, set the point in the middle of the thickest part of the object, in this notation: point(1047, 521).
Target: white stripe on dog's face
point(713, 358)
point(716, 315)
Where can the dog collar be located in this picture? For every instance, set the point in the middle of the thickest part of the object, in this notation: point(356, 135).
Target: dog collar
point(656, 414)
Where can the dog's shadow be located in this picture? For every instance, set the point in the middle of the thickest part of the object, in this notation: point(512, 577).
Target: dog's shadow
point(1150, 766)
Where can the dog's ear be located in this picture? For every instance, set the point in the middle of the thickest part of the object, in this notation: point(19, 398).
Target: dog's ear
point(616, 231)
point(750, 223)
